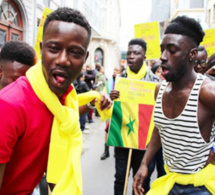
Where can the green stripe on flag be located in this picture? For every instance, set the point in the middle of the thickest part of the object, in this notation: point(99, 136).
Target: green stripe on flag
point(114, 133)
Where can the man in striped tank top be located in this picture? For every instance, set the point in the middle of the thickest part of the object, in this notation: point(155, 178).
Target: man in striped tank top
point(184, 116)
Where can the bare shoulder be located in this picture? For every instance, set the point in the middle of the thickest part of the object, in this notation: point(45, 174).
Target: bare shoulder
point(207, 93)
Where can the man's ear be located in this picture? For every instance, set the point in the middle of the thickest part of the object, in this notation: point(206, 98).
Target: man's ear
point(193, 53)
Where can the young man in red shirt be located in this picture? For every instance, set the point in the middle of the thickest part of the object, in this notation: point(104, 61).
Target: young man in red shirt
point(35, 106)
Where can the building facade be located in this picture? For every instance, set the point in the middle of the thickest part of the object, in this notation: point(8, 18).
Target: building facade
point(210, 13)
point(19, 20)
point(192, 8)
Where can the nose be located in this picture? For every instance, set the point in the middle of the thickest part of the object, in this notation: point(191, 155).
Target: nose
point(163, 55)
point(198, 65)
point(63, 58)
point(132, 55)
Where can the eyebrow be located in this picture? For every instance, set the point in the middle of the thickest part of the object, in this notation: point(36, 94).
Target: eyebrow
point(169, 45)
point(71, 47)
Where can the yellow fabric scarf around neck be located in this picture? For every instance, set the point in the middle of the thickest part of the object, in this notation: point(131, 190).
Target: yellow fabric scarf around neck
point(164, 184)
point(139, 75)
point(64, 166)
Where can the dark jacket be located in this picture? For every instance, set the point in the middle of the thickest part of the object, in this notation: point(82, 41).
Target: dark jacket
point(81, 87)
point(90, 77)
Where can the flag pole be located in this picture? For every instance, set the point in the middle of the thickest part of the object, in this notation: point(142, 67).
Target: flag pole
point(127, 171)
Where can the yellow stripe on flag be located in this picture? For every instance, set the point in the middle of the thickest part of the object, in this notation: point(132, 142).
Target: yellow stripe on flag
point(130, 124)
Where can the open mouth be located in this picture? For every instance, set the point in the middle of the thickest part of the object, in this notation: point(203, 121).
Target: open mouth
point(129, 63)
point(59, 78)
point(165, 71)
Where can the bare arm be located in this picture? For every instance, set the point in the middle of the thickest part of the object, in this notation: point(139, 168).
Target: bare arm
point(207, 96)
point(2, 169)
point(207, 108)
point(83, 109)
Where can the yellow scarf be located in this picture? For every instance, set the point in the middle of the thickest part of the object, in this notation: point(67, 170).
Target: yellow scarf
point(139, 75)
point(164, 184)
point(64, 166)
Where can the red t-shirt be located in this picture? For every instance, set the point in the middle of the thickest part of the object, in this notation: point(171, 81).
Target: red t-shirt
point(24, 137)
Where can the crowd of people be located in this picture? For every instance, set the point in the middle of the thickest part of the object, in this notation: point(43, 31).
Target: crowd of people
point(43, 115)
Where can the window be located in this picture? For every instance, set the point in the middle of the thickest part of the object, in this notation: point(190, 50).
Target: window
point(196, 3)
point(99, 56)
point(11, 27)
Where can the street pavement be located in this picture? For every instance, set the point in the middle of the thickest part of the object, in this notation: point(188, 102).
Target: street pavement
point(98, 175)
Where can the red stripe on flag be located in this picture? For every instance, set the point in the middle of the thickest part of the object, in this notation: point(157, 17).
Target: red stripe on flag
point(145, 115)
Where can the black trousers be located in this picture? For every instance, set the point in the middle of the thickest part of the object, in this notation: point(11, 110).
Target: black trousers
point(121, 159)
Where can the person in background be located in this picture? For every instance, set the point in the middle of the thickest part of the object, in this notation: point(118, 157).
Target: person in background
point(82, 87)
point(100, 78)
point(211, 67)
point(156, 68)
point(90, 77)
point(100, 81)
point(184, 116)
point(16, 58)
point(44, 102)
point(201, 60)
point(137, 69)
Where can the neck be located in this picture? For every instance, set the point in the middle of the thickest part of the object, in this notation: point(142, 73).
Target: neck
point(184, 82)
point(135, 71)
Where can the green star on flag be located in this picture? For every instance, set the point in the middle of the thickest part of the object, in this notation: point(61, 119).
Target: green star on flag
point(130, 125)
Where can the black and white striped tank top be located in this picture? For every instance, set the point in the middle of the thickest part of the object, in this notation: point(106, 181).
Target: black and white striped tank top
point(184, 149)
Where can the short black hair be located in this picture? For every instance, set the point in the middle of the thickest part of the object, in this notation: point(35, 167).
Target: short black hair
point(68, 15)
point(155, 67)
point(19, 51)
point(184, 25)
point(140, 42)
point(201, 48)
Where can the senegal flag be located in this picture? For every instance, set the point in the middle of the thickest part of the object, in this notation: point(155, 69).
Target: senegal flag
point(132, 121)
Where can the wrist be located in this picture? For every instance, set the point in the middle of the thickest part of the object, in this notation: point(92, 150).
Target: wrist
point(90, 106)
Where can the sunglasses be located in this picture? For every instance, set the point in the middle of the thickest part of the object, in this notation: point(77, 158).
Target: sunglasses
point(202, 63)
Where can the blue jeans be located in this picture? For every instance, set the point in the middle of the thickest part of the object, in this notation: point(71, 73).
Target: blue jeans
point(188, 190)
point(83, 121)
